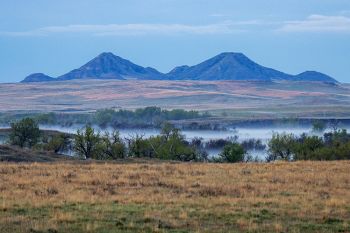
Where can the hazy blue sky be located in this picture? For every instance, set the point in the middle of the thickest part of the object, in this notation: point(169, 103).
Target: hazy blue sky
point(290, 35)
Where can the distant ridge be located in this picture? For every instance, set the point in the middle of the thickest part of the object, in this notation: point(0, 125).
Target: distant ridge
point(225, 66)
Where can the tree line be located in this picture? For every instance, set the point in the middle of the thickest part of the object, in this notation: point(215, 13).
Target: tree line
point(121, 118)
point(334, 145)
point(171, 144)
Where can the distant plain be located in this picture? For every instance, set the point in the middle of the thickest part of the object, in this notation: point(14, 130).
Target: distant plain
point(233, 99)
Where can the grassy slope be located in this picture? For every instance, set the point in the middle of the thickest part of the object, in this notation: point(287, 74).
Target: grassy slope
point(175, 197)
point(16, 154)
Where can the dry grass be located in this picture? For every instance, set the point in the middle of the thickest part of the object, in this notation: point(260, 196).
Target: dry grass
point(175, 197)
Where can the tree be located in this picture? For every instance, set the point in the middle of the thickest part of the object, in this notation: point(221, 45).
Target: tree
point(139, 147)
point(171, 144)
point(87, 143)
point(24, 133)
point(59, 143)
point(280, 147)
point(113, 146)
point(104, 117)
point(305, 147)
point(232, 153)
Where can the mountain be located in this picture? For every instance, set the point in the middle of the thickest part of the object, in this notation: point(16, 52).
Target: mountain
point(225, 66)
point(37, 77)
point(228, 66)
point(110, 66)
point(314, 76)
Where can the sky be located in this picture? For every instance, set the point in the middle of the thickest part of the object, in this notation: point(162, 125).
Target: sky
point(54, 37)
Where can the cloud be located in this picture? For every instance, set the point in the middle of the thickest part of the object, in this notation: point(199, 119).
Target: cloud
point(217, 15)
point(134, 29)
point(318, 23)
point(313, 23)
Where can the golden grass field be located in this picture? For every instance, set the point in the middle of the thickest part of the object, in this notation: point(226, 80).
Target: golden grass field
point(175, 197)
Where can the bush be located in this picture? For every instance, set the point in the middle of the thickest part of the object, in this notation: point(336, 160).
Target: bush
point(24, 133)
point(232, 153)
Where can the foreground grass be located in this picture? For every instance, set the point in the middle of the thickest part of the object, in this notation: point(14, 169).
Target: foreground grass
point(175, 197)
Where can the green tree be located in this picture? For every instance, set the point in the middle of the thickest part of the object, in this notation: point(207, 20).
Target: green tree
point(304, 147)
point(87, 143)
point(281, 147)
point(24, 133)
point(171, 144)
point(113, 146)
point(104, 117)
point(139, 147)
point(232, 153)
point(59, 143)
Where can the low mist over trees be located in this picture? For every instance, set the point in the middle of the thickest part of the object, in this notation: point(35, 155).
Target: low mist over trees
point(142, 117)
point(171, 144)
point(115, 118)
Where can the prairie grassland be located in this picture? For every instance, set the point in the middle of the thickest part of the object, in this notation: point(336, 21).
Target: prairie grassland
point(175, 197)
point(255, 98)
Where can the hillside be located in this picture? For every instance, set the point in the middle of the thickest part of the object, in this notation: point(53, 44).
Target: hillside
point(242, 99)
point(225, 66)
point(16, 154)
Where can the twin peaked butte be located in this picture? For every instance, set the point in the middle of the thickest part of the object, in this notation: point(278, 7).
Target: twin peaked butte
point(225, 66)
